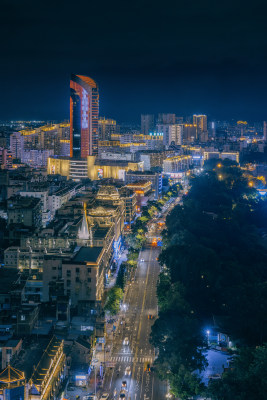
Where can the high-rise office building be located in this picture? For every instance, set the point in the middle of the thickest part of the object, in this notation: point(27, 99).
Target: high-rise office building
point(189, 133)
point(84, 109)
point(147, 123)
point(17, 145)
point(176, 134)
point(172, 133)
point(106, 128)
point(201, 122)
point(163, 129)
point(166, 118)
point(265, 131)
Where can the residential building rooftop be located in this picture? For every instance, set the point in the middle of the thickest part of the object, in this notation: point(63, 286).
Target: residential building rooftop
point(87, 254)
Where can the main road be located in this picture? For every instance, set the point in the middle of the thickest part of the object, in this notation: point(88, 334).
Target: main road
point(140, 304)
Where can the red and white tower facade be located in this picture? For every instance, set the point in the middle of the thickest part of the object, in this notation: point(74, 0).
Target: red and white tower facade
point(84, 111)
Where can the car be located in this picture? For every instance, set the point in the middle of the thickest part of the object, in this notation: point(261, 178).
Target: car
point(150, 316)
point(104, 396)
point(147, 367)
point(90, 397)
point(128, 371)
point(142, 260)
point(122, 396)
point(124, 385)
point(126, 341)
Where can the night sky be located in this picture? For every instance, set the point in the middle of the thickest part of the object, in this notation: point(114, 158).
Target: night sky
point(147, 56)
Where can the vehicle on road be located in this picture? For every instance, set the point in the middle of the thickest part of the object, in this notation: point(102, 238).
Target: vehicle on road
point(122, 396)
point(147, 367)
point(126, 341)
point(104, 396)
point(124, 385)
point(150, 316)
point(128, 371)
point(142, 260)
point(90, 397)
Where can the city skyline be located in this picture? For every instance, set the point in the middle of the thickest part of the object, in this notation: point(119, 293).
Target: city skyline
point(118, 109)
point(133, 200)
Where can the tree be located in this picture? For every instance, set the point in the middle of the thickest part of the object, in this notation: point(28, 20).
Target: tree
point(185, 384)
point(133, 255)
point(247, 378)
point(121, 277)
point(114, 298)
point(176, 336)
point(214, 251)
point(214, 264)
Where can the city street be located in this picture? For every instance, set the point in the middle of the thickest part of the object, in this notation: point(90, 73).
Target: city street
point(140, 310)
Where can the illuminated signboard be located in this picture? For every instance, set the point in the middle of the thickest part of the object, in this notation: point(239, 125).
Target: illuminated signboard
point(156, 134)
point(85, 107)
point(100, 173)
point(176, 174)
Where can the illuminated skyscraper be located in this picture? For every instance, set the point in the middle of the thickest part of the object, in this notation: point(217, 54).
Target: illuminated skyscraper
point(84, 109)
point(201, 122)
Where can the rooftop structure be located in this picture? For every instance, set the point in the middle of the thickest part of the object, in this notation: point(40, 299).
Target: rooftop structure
point(11, 375)
point(88, 255)
point(141, 187)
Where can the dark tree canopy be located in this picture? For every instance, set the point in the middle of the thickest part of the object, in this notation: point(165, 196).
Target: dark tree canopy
point(215, 265)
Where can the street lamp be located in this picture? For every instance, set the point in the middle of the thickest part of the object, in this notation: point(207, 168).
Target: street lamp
point(208, 335)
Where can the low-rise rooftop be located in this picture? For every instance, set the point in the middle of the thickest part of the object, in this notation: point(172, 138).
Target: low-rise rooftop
point(18, 202)
point(9, 277)
point(87, 255)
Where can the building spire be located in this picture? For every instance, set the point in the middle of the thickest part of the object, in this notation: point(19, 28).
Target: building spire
point(83, 232)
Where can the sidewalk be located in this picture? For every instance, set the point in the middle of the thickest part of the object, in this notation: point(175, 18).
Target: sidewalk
point(122, 259)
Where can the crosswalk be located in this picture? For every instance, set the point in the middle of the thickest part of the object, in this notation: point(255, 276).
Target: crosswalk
point(132, 359)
